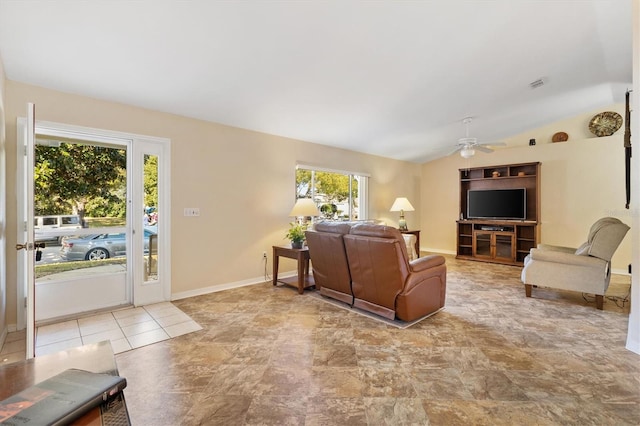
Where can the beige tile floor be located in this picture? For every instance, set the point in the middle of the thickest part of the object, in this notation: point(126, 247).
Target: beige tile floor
point(126, 329)
point(269, 356)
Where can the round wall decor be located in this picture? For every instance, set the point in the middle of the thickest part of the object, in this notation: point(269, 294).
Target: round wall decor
point(605, 124)
point(560, 137)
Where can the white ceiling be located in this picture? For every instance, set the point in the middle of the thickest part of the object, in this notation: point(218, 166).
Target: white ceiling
point(391, 78)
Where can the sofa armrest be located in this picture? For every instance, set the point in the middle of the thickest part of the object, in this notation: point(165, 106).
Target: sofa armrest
point(426, 262)
point(564, 257)
point(557, 248)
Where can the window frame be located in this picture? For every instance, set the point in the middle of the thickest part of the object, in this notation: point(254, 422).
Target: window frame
point(363, 188)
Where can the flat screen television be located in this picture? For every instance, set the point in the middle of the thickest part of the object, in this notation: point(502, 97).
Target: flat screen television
point(497, 204)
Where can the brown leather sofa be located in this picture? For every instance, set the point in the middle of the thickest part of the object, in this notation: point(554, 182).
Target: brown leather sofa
point(367, 266)
point(329, 260)
point(385, 282)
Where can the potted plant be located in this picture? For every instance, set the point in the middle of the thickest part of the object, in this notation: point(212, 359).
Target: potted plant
point(296, 235)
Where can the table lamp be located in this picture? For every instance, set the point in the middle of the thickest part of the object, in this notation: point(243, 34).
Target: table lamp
point(401, 204)
point(304, 207)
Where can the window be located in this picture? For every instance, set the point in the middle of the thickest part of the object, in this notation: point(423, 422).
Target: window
point(339, 195)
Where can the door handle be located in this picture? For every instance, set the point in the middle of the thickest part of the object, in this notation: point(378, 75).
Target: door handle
point(25, 246)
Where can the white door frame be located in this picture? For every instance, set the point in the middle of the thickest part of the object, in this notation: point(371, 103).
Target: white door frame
point(141, 292)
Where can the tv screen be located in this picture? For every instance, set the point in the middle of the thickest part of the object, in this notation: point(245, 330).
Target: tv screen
point(497, 204)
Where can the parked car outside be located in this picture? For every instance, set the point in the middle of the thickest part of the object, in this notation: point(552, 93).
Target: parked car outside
point(46, 226)
point(99, 246)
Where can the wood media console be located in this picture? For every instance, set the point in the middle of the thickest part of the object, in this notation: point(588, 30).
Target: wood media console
point(499, 240)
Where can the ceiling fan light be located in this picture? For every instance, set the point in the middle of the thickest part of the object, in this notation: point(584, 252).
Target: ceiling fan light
point(467, 152)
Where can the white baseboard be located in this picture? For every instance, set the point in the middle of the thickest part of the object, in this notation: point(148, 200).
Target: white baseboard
point(226, 286)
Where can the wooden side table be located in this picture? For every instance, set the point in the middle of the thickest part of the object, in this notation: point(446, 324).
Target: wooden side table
point(303, 280)
point(415, 232)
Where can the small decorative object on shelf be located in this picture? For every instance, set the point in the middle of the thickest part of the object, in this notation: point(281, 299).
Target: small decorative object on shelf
point(560, 137)
point(296, 235)
point(495, 174)
point(521, 174)
point(605, 124)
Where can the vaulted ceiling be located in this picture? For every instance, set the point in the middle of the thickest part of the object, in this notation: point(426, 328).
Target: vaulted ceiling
point(391, 78)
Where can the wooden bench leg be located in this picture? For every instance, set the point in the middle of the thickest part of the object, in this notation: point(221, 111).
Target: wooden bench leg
point(527, 289)
point(599, 301)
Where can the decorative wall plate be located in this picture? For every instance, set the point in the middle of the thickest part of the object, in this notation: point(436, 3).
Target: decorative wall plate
point(560, 137)
point(605, 124)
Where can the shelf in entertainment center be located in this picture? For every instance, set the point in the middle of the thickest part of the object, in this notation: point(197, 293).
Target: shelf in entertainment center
point(499, 241)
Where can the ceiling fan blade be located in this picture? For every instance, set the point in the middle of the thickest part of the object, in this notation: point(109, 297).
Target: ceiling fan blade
point(458, 148)
point(494, 144)
point(483, 148)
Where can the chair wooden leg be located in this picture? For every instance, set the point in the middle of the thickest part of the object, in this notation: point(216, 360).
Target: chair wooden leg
point(527, 289)
point(599, 301)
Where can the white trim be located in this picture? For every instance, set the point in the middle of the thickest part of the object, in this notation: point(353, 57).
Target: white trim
point(326, 169)
point(633, 329)
point(433, 250)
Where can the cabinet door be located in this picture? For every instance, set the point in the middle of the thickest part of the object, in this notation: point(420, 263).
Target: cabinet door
point(504, 247)
point(482, 244)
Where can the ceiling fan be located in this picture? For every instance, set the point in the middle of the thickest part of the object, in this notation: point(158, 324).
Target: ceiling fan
point(467, 145)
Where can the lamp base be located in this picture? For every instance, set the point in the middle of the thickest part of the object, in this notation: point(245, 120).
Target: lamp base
point(402, 225)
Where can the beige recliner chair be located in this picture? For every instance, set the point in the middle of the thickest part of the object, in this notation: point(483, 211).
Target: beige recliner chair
point(586, 269)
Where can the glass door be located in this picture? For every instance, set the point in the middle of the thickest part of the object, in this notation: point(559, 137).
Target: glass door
point(94, 191)
point(151, 221)
point(482, 244)
point(504, 246)
point(80, 206)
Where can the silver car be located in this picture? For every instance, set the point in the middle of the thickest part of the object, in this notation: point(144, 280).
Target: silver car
point(98, 246)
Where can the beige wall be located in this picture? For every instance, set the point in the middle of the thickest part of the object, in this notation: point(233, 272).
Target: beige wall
point(581, 180)
point(242, 181)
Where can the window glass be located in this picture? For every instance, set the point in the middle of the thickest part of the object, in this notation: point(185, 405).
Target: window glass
point(338, 195)
point(70, 220)
point(49, 221)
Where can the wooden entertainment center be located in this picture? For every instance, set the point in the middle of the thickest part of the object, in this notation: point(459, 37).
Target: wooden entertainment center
point(500, 240)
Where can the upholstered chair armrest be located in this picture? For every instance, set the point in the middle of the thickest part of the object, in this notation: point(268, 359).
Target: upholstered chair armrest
point(426, 262)
point(565, 258)
point(556, 248)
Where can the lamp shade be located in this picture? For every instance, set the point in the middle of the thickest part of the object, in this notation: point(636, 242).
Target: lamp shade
point(401, 204)
point(304, 207)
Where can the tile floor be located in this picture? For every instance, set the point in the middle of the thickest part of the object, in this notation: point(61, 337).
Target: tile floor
point(269, 356)
point(126, 329)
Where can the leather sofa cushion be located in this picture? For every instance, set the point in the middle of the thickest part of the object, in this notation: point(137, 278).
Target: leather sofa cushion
point(333, 227)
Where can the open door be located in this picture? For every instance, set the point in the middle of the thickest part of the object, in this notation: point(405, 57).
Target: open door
point(26, 248)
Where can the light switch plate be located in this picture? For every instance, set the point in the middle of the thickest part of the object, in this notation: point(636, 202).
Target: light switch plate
point(191, 211)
